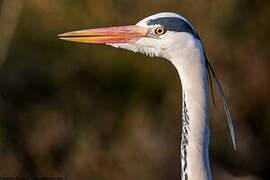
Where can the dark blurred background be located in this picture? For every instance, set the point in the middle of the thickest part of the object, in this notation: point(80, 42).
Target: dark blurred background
point(87, 111)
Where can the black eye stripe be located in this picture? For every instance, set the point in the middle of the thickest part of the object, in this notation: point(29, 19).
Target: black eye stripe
point(173, 24)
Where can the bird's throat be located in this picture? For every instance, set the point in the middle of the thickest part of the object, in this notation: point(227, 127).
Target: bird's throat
point(195, 116)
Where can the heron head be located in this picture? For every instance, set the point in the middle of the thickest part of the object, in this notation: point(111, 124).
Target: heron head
point(157, 35)
point(166, 35)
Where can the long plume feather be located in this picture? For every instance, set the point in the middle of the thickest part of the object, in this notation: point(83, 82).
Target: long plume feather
point(226, 107)
point(211, 85)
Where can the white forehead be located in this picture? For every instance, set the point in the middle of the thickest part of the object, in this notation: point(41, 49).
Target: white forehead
point(161, 15)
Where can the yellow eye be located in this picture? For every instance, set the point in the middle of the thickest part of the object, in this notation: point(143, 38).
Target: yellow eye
point(159, 30)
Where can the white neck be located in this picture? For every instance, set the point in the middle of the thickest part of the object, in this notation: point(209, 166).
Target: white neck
point(190, 65)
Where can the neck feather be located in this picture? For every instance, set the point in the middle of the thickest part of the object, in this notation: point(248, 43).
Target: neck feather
point(195, 113)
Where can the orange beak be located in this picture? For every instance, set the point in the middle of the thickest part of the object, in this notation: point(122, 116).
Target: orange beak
point(121, 34)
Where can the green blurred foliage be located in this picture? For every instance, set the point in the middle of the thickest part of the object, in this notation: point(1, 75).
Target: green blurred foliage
point(94, 112)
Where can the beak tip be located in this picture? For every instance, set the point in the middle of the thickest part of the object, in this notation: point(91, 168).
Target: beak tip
point(60, 35)
point(62, 38)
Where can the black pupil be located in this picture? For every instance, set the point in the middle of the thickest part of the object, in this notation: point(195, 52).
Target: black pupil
point(160, 30)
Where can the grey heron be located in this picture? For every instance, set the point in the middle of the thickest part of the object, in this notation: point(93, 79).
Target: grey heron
point(171, 36)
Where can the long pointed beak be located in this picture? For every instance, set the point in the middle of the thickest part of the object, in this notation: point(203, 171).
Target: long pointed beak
point(121, 34)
